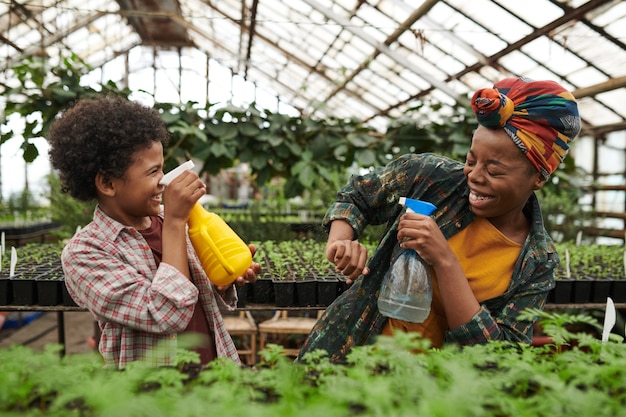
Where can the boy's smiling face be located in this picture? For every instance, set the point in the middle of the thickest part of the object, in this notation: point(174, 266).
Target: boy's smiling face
point(137, 195)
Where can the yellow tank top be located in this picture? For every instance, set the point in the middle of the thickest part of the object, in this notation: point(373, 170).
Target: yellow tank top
point(487, 257)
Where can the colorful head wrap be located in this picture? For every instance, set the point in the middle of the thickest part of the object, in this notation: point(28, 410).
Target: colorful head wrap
point(540, 116)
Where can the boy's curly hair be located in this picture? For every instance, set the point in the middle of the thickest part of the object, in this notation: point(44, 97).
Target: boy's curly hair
point(97, 135)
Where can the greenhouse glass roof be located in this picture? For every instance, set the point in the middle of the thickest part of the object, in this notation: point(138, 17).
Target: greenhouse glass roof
point(346, 58)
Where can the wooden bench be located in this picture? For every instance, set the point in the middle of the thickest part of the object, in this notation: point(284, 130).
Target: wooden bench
point(282, 323)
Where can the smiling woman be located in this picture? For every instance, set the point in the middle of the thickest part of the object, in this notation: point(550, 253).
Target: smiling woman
point(500, 179)
point(486, 242)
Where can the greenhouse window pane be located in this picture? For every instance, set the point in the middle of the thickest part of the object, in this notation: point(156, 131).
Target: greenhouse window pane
point(518, 62)
point(540, 14)
point(553, 56)
point(587, 76)
point(614, 100)
point(455, 47)
point(595, 113)
point(495, 19)
point(484, 41)
point(375, 19)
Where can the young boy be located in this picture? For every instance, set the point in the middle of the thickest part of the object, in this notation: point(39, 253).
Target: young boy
point(133, 267)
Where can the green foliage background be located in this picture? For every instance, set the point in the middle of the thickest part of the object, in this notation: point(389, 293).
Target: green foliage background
point(299, 149)
point(308, 154)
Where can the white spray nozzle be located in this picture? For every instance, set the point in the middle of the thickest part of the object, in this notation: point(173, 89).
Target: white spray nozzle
point(169, 177)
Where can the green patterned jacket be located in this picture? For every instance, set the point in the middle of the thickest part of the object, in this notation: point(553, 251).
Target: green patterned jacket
point(353, 318)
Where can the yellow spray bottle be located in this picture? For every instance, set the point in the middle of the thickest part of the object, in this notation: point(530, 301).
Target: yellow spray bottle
point(223, 254)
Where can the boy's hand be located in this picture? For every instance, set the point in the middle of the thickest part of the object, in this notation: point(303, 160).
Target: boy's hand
point(182, 194)
point(249, 275)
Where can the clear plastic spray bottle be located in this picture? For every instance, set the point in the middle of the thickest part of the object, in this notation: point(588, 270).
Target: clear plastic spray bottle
point(406, 292)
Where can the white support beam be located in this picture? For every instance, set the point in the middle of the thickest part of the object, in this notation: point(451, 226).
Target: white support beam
point(383, 48)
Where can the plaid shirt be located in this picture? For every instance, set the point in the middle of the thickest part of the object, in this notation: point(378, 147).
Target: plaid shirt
point(354, 319)
point(110, 270)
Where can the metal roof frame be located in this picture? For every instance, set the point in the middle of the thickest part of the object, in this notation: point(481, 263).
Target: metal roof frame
point(350, 58)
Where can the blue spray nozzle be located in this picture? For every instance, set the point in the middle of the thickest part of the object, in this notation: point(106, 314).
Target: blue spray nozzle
point(417, 206)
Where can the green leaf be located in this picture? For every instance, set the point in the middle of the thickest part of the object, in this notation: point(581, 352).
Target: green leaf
point(63, 95)
point(218, 149)
point(200, 151)
point(216, 130)
point(30, 151)
point(325, 173)
point(293, 187)
point(263, 175)
point(276, 141)
point(298, 167)
point(248, 129)
point(366, 157)
point(169, 117)
point(230, 132)
point(340, 151)
point(264, 137)
point(306, 177)
point(320, 145)
point(359, 141)
point(246, 154)
point(294, 148)
point(259, 161)
point(29, 130)
point(5, 136)
point(193, 132)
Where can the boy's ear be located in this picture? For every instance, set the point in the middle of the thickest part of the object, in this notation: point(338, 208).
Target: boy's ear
point(104, 185)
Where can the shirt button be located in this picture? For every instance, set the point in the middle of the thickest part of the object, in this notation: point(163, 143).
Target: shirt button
point(458, 225)
point(133, 230)
point(172, 336)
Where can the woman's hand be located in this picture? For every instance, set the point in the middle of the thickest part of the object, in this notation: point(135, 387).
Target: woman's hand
point(349, 258)
point(421, 233)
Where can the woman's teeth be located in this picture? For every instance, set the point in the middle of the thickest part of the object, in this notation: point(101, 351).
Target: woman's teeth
point(476, 197)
